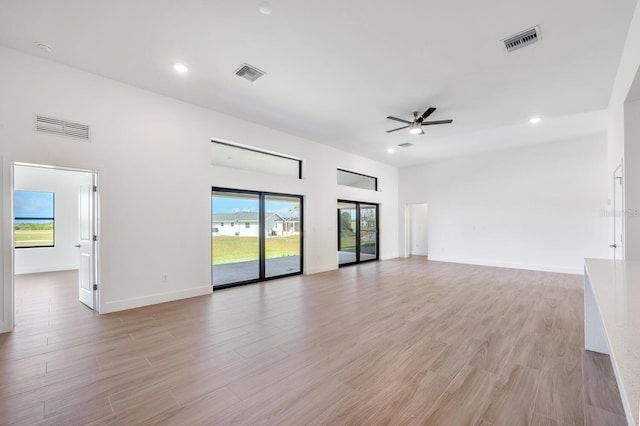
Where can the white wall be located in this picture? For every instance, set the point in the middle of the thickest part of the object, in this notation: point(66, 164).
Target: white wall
point(623, 143)
point(632, 180)
point(65, 185)
point(6, 253)
point(418, 229)
point(536, 207)
point(153, 158)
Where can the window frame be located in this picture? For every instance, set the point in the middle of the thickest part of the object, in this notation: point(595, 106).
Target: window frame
point(259, 151)
point(358, 205)
point(262, 275)
point(375, 180)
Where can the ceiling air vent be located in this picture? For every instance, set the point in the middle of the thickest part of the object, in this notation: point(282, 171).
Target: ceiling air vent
point(249, 72)
point(522, 39)
point(61, 127)
point(405, 145)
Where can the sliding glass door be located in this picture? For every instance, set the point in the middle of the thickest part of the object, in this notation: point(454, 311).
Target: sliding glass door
point(357, 232)
point(254, 236)
point(347, 219)
point(368, 232)
point(235, 228)
point(282, 246)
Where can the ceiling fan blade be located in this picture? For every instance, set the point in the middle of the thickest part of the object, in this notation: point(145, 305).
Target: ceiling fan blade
point(398, 119)
point(426, 114)
point(426, 123)
point(399, 128)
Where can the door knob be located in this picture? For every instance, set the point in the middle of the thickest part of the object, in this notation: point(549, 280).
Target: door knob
point(613, 245)
point(77, 246)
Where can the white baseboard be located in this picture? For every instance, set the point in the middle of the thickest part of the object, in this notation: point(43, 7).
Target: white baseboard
point(419, 253)
point(499, 264)
point(36, 269)
point(4, 328)
point(389, 256)
point(319, 269)
point(170, 296)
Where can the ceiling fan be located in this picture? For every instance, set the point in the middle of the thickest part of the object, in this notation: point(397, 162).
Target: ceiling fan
point(415, 126)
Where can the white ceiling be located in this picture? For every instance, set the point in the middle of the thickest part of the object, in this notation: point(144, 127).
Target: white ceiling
point(337, 68)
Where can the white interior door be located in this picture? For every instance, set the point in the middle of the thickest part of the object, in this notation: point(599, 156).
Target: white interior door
point(87, 246)
point(618, 214)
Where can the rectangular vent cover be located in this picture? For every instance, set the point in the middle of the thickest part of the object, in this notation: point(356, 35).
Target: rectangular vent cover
point(61, 127)
point(249, 72)
point(525, 38)
point(405, 145)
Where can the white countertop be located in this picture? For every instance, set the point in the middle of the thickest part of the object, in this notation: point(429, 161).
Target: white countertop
point(616, 288)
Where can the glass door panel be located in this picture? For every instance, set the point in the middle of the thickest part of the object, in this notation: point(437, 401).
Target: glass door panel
point(368, 232)
point(282, 245)
point(347, 224)
point(235, 237)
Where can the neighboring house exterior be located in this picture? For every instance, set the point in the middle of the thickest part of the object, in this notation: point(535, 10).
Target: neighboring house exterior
point(247, 224)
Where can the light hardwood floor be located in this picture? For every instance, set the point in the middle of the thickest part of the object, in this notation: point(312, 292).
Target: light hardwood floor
point(404, 341)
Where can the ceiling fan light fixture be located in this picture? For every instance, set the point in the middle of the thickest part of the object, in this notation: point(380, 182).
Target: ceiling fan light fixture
point(415, 128)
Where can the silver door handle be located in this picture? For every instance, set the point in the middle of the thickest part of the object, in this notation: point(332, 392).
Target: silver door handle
point(77, 246)
point(613, 245)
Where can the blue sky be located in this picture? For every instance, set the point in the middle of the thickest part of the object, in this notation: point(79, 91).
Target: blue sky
point(230, 205)
point(33, 204)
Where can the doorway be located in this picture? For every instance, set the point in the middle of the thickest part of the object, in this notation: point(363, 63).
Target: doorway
point(54, 226)
point(417, 231)
point(357, 232)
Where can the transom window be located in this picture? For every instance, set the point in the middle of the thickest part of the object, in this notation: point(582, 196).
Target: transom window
point(357, 180)
point(227, 154)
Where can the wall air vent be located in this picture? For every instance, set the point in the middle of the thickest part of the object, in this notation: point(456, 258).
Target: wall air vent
point(405, 145)
point(522, 39)
point(249, 72)
point(61, 127)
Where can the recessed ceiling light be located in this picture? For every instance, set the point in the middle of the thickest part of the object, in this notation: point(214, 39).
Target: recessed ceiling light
point(265, 8)
point(181, 68)
point(390, 150)
point(43, 46)
point(534, 120)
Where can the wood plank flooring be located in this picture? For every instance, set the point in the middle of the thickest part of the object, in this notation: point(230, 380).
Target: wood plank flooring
point(405, 341)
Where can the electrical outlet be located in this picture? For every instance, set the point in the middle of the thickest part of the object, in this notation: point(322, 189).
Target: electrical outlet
point(165, 278)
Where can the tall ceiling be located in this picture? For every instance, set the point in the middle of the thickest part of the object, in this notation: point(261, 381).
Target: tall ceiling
point(337, 68)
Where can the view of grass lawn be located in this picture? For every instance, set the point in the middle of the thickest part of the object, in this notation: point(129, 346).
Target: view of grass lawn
point(348, 242)
point(228, 249)
point(282, 246)
point(33, 238)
